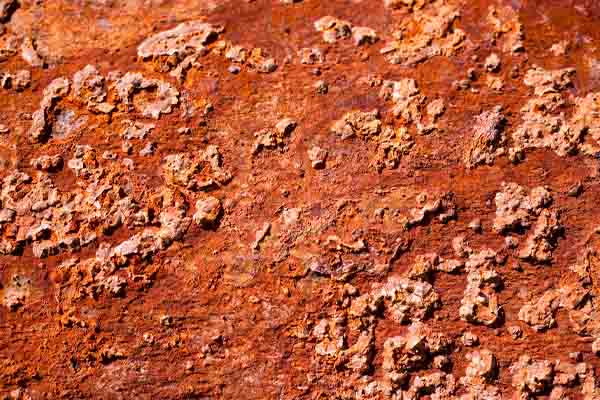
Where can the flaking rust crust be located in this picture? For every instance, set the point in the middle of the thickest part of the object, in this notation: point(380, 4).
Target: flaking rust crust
point(299, 199)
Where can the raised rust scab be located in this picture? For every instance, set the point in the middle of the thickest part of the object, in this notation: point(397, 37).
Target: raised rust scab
point(170, 47)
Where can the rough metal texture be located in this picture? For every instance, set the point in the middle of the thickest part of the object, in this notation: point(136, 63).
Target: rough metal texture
point(283, 199)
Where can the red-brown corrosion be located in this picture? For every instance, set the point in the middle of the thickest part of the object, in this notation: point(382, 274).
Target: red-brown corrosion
point(299, 199)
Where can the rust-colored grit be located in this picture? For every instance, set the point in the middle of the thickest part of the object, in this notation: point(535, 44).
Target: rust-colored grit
point(300, 199)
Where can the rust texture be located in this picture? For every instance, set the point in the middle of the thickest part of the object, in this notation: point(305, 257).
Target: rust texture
point(299, 199)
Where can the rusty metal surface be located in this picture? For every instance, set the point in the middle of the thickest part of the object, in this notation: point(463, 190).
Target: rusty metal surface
point(224, 253)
